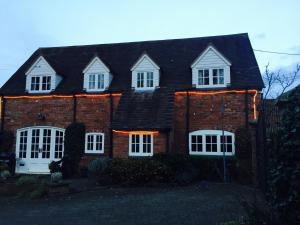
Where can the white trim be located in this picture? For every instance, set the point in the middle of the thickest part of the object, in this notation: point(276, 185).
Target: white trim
point(140, 153)
point(36, 164)
point(144, 56)
point(203, 134)
point(200, 57)
point(94, 134)
point(92, 62)
point(36, 62)
point(210, 76)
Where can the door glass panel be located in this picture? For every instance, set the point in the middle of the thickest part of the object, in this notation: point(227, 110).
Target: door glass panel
point(35, 139)
point(59, 141)
point(46, 143)
point(23, 144)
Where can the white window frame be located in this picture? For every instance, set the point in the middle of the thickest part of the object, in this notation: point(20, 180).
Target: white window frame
point(141, 145)
point(94, 150)
point(28, 143)
point(144, 80)
point(218, 133)
point(210, 76)
point(40, 84)
point(97, 77)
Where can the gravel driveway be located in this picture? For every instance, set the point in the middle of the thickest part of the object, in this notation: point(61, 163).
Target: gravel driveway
point(197, 204)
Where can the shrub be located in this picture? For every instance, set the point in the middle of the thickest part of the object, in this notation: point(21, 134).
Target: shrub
point(27, 180)
point(56, 177)
point(6, 141)
point(54, 166)
point(74, 148)
point(5, 174)
point(188, 169)
point(98, 166)
point(138, 171)
point(3, 166)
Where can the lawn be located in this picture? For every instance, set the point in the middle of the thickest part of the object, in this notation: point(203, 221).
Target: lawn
point(203, 204)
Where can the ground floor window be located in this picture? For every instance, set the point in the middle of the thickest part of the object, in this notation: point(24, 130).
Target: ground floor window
point(211, 142)
point(40, 143)
point(140, 144)
point(94, 143)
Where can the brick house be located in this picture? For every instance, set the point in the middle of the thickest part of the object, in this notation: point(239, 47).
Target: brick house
point(135, 99)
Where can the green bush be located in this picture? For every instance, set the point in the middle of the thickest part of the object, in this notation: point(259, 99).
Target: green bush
point(27, 180)
point(98, 166)
point(6, 141)
point(54, 166)
point(284, 164)
point(74, 149)
point(188, 169)
point(3, 166)
point(138, 171)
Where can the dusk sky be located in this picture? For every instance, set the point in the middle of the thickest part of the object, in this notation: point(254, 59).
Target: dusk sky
point(28, 25)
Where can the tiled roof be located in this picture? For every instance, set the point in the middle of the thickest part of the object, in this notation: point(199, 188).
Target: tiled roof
point(174, 58)
point(140, 110)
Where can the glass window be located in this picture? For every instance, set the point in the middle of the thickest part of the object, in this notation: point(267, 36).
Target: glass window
point(140, 80)
point(203, 77)
point(94, 143)
point(40, 83)
point(150, 79)
point(210, 142)
point(141, 145)
point(218, 76)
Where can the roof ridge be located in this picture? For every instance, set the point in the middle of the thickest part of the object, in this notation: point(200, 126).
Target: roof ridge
point(147, 41)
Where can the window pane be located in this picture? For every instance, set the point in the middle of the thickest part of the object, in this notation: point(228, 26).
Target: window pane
point(92, 81)
point(211, 143)
point(221, 76)
point(150, 79)
point(206, 77)
point(23, 144)
point(90, 142)
point(197, 143)
point(100, 83)
point(140, 80)
point(59, 141)
point(46, 81)
point(35, 83)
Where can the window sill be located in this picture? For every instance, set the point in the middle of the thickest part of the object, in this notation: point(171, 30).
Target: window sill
point(211, 153)
point(93, 152)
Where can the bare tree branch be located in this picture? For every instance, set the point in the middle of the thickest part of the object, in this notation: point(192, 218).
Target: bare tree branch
point(279, 82)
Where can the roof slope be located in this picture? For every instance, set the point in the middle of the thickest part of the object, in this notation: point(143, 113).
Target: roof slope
point(174, 58)
point(145, 110)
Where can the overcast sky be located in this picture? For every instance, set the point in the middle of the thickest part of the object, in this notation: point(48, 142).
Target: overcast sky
point(27, 25)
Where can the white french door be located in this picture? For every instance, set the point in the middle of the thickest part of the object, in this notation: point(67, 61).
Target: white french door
point(36, 147)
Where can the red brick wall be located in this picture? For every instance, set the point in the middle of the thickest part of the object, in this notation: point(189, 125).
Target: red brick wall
point(121, 144)
point(21, 113)
point(204, 114)
point(93, 112)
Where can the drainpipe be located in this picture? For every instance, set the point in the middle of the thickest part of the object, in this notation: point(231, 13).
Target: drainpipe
point(3, 104)
point(110, 126)
point(246, 109)
point(187, 121)
point(74, 108)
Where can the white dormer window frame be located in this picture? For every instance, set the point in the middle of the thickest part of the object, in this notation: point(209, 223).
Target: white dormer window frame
point(97, 76)
point(211, 70)
point(41, 80)
point(145, 74)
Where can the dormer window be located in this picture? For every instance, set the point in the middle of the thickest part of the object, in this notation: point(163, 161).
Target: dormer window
point(145, 74)
point(96, 81)
point(97, 76)
point(145, 80)
point(211, 70)
point(210, 77)
point(41, 77)
point(40, 83)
